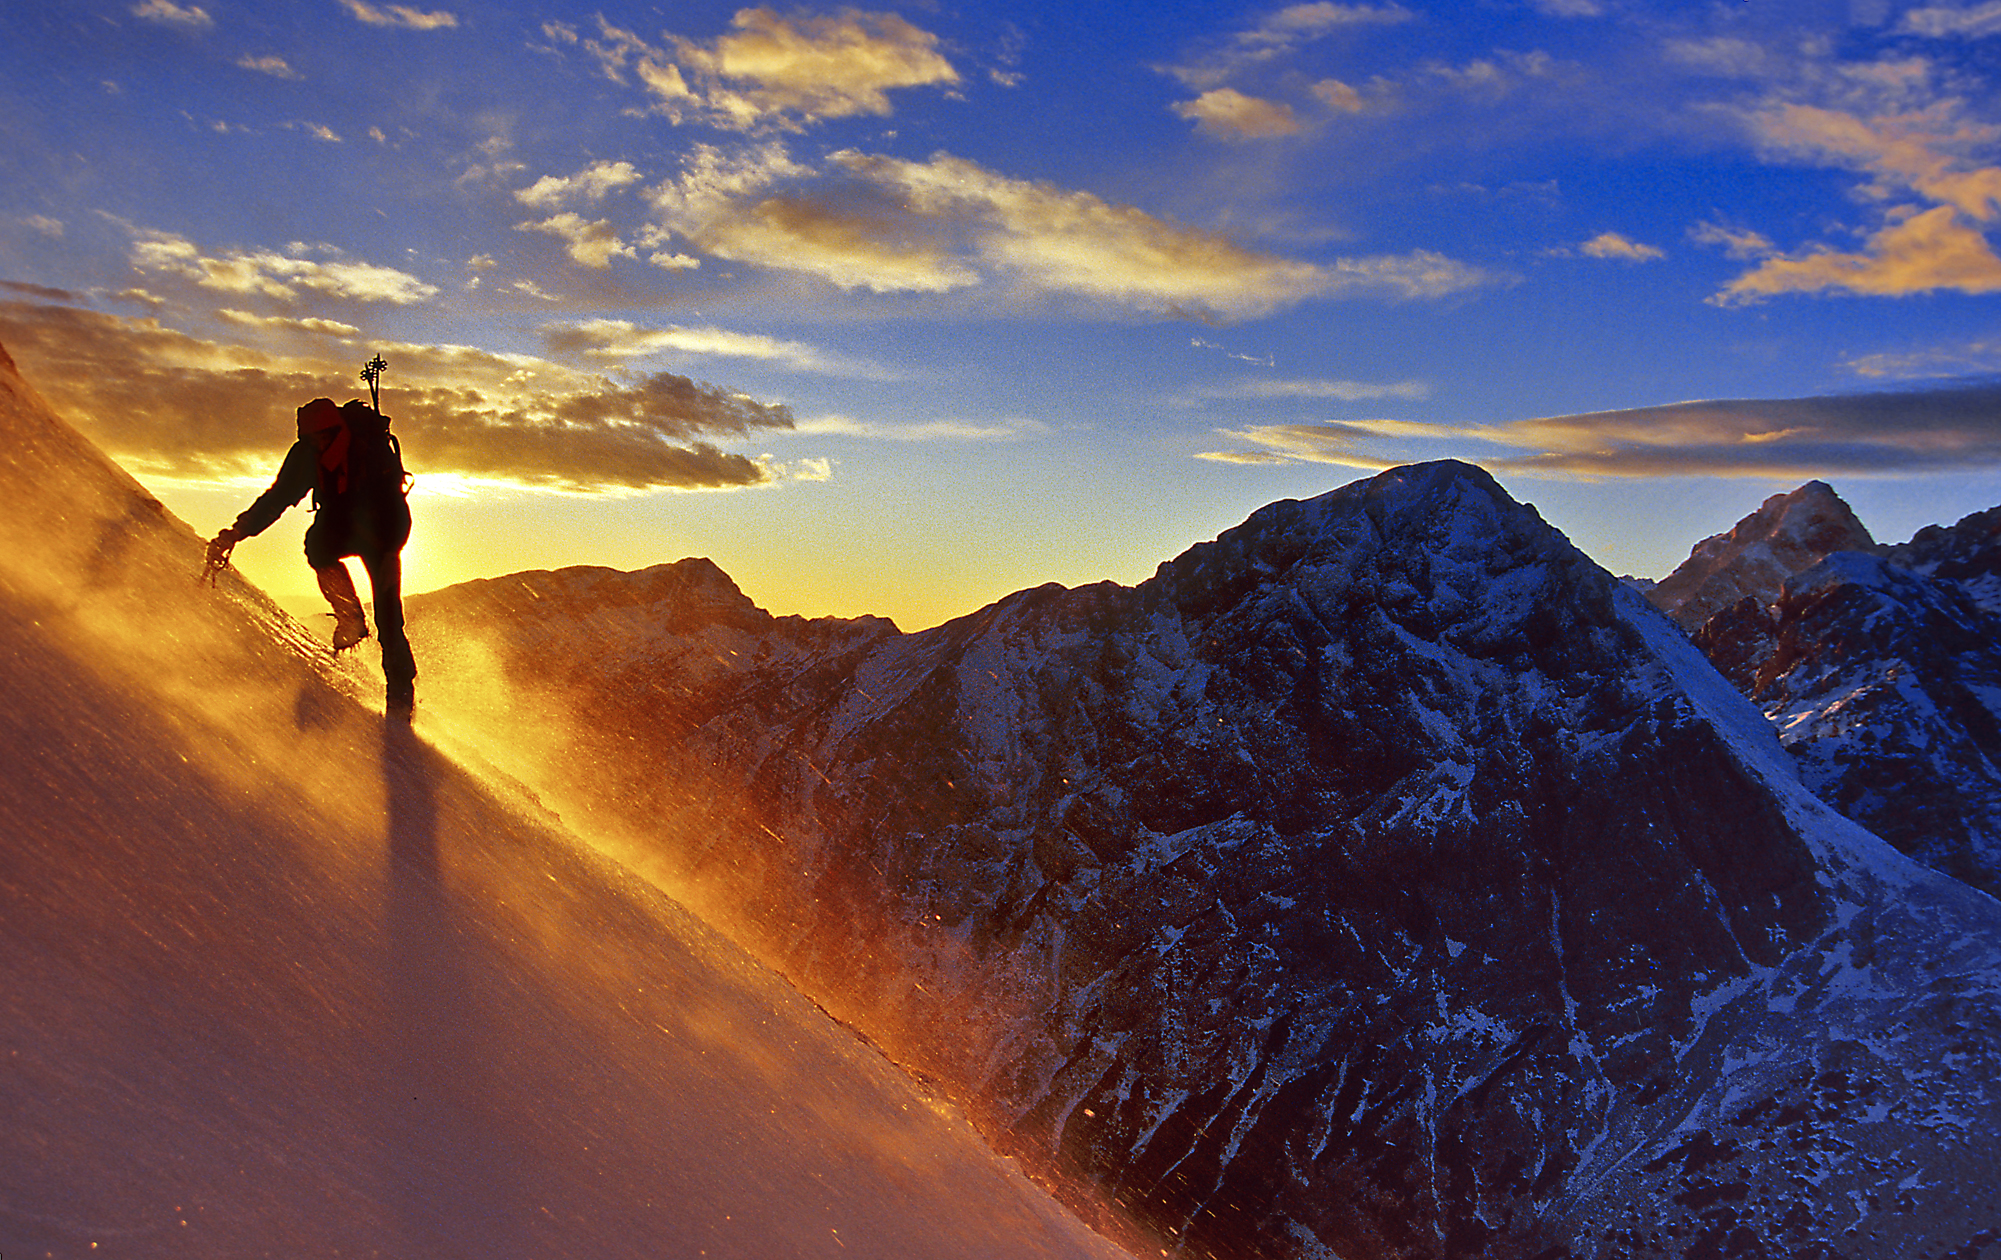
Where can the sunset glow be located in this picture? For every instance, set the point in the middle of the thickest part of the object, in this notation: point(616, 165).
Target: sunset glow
point(934, 303)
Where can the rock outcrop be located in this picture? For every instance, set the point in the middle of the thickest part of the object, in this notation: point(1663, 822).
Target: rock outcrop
point(1788, 534)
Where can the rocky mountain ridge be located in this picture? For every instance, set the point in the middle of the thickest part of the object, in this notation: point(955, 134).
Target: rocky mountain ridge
point(1788, 534)
point(1382, 878)
point(1881, 669)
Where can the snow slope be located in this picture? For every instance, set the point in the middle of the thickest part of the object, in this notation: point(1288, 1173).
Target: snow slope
point(282, 979)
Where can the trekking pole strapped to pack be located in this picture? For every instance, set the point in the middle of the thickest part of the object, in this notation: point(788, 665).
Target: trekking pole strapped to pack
point(371, 375)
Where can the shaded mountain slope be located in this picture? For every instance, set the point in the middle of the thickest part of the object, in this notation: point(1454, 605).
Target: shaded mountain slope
point(282, 979)
point(1381, 879)
point(1885, 685)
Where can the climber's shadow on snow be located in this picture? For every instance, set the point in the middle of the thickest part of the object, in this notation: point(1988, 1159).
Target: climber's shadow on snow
point(442, 1147)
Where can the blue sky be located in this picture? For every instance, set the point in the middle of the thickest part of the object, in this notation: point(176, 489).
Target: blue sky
point(898, 309)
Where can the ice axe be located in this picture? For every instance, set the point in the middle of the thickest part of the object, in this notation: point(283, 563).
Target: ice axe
point(217, 558)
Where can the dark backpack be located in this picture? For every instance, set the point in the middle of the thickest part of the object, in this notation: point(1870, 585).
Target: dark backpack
point(376, 479)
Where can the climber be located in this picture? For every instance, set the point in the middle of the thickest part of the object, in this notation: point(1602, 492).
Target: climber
point(353, 467)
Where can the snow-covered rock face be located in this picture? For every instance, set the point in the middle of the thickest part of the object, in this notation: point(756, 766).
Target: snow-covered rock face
point(1968, 553)
point(1380, 879)
point(1885, 684)
point(1788, 534)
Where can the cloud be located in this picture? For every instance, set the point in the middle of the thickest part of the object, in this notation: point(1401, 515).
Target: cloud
point(276, 67)
point(275, 275)
point(1902, 433)
point(1347, 444)
point(589, 242)
point(591, 184)
point(1737, 242)
point(1926, 252)
point(927, 431)
point(1613, 245)
point(176, 405)
point(39, 291)
point(1343, 391)
point(619, 340)
point(1982, 357)
point(850, 247)
point(1230, 115)
point(1342, 98)
point(193, 16)
point(321, 327)
point(1569, 8)
point(1057, 241)
point(399, 15)
point(1940, 23)
point(1267, 359)
point(890, 225)
point(817, 67)
point(1497, 76)
point(778, 72)
point(723, 205)
point(1723, 56)
point(51, 228)
point(1892, 433)
point(1278, 35)
point(1932, 153)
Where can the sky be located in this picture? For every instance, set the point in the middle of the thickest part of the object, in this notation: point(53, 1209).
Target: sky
point(897, 309)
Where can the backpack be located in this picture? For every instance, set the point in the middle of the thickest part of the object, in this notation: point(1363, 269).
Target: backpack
point(373, 477)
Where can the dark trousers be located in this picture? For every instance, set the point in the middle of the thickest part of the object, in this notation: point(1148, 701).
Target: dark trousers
point(383, 558)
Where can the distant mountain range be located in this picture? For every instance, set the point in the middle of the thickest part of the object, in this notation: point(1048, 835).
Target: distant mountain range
point(1380, 879)
point(1880, 666)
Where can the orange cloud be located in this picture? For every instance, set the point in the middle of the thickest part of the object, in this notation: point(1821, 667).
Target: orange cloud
point(178, 406)
point(1906, 432)
point(1054, 240)
point(589, 242)
point(276, 275)
point(1230, 115)
point(1918, 151)
point(777, 72)
point(1928, 251)
point(1891, 433)
point(1613, 245)
point(399, 15)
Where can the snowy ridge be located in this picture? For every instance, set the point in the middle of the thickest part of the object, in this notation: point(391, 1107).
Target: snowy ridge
point(1380, 878)
point(1967, 552)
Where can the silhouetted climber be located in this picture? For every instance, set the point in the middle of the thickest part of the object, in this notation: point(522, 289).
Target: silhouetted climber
point(351, 464)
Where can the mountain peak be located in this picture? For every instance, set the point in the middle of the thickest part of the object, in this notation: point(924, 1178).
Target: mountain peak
point(1788, 534)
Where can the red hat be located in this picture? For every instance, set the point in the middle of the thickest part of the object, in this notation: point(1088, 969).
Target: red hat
point(321, 413)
